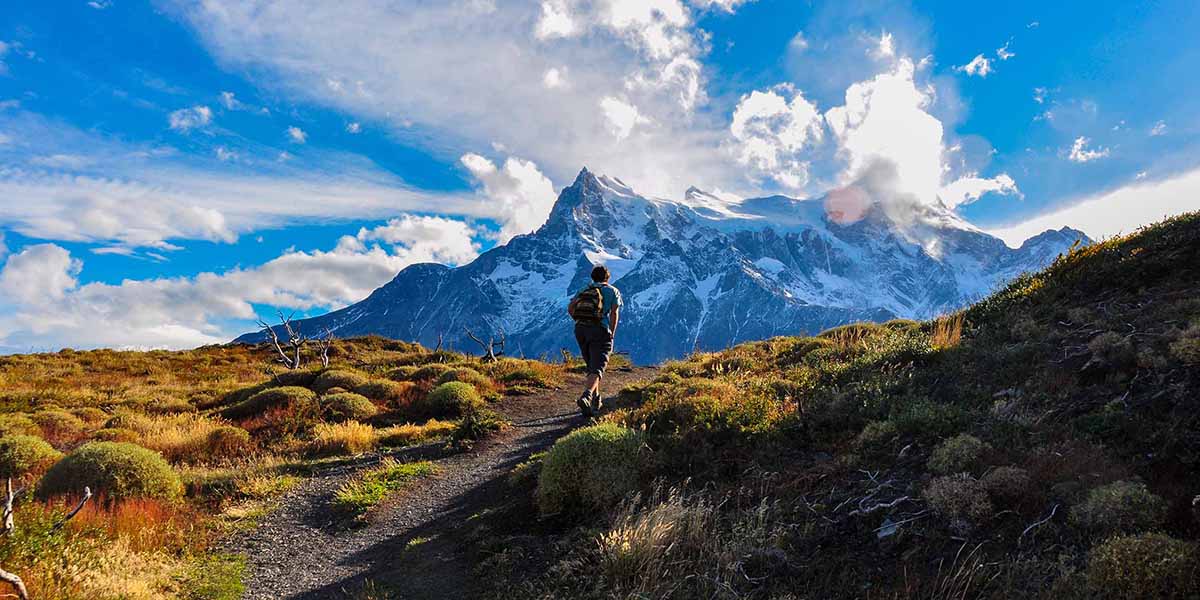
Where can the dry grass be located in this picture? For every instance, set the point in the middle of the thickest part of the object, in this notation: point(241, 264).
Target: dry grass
point(350, 437)
point(947, 331)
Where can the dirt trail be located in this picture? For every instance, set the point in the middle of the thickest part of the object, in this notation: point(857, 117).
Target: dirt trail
point(300, 551)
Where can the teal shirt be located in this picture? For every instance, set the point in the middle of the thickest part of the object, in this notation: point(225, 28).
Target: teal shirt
point(612, 297)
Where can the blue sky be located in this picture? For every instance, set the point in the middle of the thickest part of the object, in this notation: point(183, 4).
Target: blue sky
point(171, 169)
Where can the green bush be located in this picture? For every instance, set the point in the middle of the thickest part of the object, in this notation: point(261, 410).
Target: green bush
point(452, 399)
point(959, 454)
point(467, 375)
point(1008, 485)
point(477, 424)
point(1150, 565)
point(402, 373)
point(347, 406)
point(876, 439)
point(18, 424)
point(295, 377)
point(960, 498)
point(1119, 507)
point(227, 441)
point(116, 469)
point(590, 469)
point(280, 397)
point(169, 406)
point(24, 454)
point(1186, 346)
point(332, 378)
point(429, 371)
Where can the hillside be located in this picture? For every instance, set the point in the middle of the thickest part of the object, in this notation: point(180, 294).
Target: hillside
point(698, 273)
point(1041, 443)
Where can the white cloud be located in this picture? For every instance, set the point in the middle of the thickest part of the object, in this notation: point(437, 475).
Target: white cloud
point(1160, 128)
point(225, 154)
point(728, 6)
point(229, 101)
point(100, 4)
point(38, 274)
point(297, 135)
point(886, 47)
point(971, 187)
point(556, 21)
point(554, 78)
point(979, 65)
point(518, 193)
point(1039, 95)
point(186, 119)
point(622, 117)
point(354, 128)
point(61, 161)
point(1003, 52)
point(773, 134)
point(1115, 212)
point(47, 308)
point(1080, 152)
point(799, 43)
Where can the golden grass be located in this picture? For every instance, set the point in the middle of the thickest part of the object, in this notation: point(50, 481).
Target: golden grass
point(350, 437)
point(409, 433)
point(947, 331)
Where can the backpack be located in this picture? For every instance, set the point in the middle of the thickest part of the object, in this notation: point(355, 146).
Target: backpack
point(589, 305)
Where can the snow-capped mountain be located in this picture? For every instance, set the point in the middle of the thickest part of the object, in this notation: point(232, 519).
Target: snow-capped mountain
point(701, 273)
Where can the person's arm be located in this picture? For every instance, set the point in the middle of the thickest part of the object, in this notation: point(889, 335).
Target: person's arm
point(614, 315)
point(571, 308)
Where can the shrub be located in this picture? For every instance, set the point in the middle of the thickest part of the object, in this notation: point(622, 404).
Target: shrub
point(295, 377)
point(959, 454)
point(58, 424)
point(1007, 484)
point(90, 415)
point(1119, 507)
point(467, 375)
point(403, 373)
point(170, 406)
point(478, 423)
point(409, 434)
point(391, 393)
point(1150, 565)
point(332, 378)
point(429, 371)
point(347, 406)
point(350, 437)
point(452, 399)
point(1113, 348)
point(280, 397)
point(371, 487)
point(1186, 346)
point(18, 424)
point(227, 441)
point(589, 468)
point(117, 469)
point(876, 439)
point(25, 454)
point(960, 498)
point(115, 434)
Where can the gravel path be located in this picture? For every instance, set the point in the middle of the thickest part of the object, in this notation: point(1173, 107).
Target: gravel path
point(300, 551)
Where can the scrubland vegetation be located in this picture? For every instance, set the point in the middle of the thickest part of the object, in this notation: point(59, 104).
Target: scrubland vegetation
point(183, 448)
point(1044, 442)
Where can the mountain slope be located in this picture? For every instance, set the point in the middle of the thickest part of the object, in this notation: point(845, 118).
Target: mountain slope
point(696, 274)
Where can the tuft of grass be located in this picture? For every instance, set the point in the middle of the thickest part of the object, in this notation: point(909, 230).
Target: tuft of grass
point(350, 437)
point(369, 488)
point(410, 434)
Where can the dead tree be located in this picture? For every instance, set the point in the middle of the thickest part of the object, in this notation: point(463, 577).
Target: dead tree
point(9, 525)
point(324, 343)
point(492, 349)
point(294, 343)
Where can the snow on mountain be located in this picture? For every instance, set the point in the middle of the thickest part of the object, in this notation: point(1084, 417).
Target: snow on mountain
point(703, 273)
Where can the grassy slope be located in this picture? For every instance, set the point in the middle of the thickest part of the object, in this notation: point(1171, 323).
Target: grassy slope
point(173, 402)
point(801, 452)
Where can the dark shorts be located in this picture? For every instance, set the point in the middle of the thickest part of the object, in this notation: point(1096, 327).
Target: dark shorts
point(595, 344)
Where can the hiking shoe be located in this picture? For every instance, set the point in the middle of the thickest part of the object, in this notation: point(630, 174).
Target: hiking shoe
point(585, 407)
point(597, 402)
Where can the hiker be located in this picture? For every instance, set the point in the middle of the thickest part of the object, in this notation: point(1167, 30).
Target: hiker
point(596, 310)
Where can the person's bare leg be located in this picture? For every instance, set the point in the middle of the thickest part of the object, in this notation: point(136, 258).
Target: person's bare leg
point(591, 384)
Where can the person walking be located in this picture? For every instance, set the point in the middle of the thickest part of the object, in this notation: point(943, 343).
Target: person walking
point(596, 310)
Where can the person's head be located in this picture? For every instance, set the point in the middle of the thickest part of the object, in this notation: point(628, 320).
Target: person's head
point(599, 273)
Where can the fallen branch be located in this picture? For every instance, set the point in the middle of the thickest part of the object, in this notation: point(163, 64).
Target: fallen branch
point(12, 579)
point(1037, 524)
point(879, 506)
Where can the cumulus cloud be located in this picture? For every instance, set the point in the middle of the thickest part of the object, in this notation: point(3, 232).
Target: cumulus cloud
point(1003, 53)
point(728, 6)
point(980, 65)
point(297, 135)
point(773, 133)
point(354, 128)
point(556, 21)
point(1160, 128)
point(229, 101)
point(554, 78)
point(622, 116)
point(971, 187)
point(518, 193)
point(187, 119)
point(46, 308)
point(1081, 153)
point(1115, 212)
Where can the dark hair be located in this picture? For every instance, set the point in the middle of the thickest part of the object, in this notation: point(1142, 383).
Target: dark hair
point(599, 273)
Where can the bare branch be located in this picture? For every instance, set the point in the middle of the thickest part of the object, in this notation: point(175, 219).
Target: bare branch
point(1038, 523)
point(87, 494)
